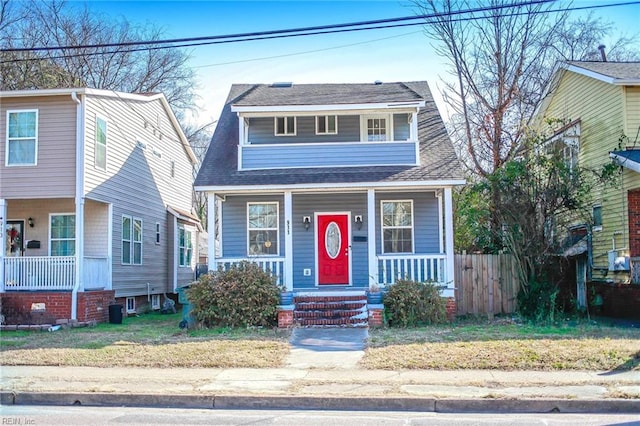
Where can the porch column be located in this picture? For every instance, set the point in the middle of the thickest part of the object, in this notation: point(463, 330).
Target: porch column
point(211, 229)
point(371, 237)
point(288, 241)
point(3, 221)
point(448, 235)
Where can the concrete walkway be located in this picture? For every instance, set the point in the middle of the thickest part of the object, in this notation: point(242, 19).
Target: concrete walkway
point(329, 348)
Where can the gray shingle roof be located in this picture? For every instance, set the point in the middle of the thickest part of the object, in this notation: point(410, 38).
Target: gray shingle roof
point(617, 70)
point(438, 158)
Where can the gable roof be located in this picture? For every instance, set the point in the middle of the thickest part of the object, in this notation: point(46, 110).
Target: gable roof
point(616, 73)
point(143, 97)
point(438, 161)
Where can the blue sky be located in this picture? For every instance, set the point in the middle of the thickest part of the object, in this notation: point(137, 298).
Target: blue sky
point(401, 54)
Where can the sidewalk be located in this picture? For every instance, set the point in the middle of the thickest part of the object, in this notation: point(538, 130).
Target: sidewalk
point(308, 388)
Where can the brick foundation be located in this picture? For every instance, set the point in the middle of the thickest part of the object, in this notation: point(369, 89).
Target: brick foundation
point(376, 317)
point(451, 308)
point(92, 306)
point(285, 318)
point(633, 197)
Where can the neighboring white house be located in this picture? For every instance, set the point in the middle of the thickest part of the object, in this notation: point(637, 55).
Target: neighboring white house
point(95, 201)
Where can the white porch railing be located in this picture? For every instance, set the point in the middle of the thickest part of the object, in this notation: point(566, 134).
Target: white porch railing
point(53, 272)
point(415, 267)
point(96, 272)
point(275, 265)
point(39, 273)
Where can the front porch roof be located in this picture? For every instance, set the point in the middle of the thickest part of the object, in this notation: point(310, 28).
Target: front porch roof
point(628, 158)
point(438, 160)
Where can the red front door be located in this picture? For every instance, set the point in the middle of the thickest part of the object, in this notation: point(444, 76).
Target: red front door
point(333, 249)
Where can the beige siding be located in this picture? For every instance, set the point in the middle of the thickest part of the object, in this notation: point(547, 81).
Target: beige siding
point(632, 116)
point(601, 109)
point(54, 174)
point(138, 183)
point(96, 228)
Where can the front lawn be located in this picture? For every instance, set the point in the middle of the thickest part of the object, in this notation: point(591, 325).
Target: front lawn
point(151, 340)
point(505, 346)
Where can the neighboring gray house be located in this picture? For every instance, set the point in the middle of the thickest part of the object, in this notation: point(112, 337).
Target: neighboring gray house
point(95, 201)
point(333, 186)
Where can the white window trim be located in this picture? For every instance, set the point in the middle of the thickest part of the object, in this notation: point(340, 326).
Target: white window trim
point(155, 302)
point(35, 156)
point(326, 124)
point(131, 310)
point(106, 143)
point(382, 227)
point(286, 119)
point(49, 226)
point(191, 232)
point(277, 228)
point(363, 126)
point(132, 242)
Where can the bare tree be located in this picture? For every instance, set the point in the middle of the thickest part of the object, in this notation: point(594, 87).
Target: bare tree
point(199, 139)
point(57, 23)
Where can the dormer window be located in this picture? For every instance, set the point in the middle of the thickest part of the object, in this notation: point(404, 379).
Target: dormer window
point(285, 126)
point(376, 128)
point(326, 125)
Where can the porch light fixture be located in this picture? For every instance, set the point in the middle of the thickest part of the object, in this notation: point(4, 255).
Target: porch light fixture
point(306, 221)
point(358, 220)
point(30, 221)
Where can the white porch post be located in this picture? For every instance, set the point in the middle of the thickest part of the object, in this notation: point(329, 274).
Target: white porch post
point(3, 221)
point(371, 237)
point(288, 240)
point(448, 224)
point(110, 246)
point(211, 229)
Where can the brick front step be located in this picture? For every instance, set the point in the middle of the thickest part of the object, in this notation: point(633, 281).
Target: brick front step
point(348, 310)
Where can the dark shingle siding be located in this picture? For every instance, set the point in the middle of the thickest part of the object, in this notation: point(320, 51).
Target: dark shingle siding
point(438, 158)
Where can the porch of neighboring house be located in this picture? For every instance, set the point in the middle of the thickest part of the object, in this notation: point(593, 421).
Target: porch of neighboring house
point(44, 266)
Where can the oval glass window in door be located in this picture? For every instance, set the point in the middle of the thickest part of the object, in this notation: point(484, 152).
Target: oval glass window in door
point(333, 240)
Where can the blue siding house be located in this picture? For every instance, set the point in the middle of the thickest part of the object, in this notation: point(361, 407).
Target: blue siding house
point(332, 186)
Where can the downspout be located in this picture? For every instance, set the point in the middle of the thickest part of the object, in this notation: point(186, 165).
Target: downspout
point(79, 203)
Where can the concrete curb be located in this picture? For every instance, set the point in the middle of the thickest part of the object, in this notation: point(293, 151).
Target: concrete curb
point(619, 406)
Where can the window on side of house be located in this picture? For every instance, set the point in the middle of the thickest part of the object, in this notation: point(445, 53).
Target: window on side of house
point(62, 231)
point(285, 126)
point(131, 240)
point(326, 125)
point(597, 218)
point(375, 128)
point(155, 301)
point(262, 229)
point(22, 138)
point(185, 244)
point(565, 143)
point(101, 143)
point(397, 226)
point(131, 305)
point(157, 232)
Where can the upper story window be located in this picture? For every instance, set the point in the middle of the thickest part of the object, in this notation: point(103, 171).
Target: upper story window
point(397, 226)
point(566, 144)
point(285, 126)
point(597, 217)
point(22, 138)
point(375, 128)
point(101, 143)
point(262, 228)
point(326, 125)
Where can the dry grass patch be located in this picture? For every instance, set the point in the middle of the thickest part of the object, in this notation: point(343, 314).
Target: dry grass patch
point(504, 347)
point(151, 340)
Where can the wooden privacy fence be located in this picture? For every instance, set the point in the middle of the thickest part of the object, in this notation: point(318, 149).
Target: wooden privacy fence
point(486, 284)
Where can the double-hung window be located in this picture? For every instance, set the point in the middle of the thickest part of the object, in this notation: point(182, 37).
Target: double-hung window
point(62, 231)
point(185, 243)
point(326, 125)
point(397, 226)
point(101, 143)
point(22, 138)
point(285, 126)
point(131, 240)
point(262, 229)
